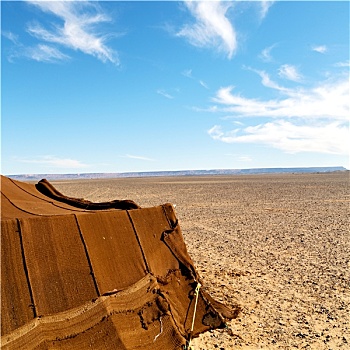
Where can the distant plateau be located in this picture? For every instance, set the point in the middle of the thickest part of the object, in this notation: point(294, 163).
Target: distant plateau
point(257, 171)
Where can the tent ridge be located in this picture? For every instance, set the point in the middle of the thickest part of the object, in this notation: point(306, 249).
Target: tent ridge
point(47, 189)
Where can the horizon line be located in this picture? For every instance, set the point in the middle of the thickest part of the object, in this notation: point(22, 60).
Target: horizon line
point(216, 171)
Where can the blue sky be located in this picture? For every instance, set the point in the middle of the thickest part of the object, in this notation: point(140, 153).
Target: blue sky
point(148, 86)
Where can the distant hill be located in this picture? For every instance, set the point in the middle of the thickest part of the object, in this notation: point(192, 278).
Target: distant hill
point(34, 177)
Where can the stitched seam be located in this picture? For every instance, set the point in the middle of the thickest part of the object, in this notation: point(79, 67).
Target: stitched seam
point(139, 243)
point(87, 256)
point(31, 295)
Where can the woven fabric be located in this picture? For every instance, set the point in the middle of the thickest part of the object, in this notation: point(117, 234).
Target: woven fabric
point(79, 275)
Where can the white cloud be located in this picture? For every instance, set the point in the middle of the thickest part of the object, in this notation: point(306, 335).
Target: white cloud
point(327, 100)
point(52, 161)
point(319, 48)
point(312, 119)
point(290, 72)
point(78, 31)
point(212, 29)
point(165, 94)
point(330, 138)
point(139, 158)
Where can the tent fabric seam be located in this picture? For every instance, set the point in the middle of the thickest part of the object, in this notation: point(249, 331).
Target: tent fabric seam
point(92, 274)
point(24, 260)
point(139, 242)
point(21, 209)
point(31, 194)
point(43, 215)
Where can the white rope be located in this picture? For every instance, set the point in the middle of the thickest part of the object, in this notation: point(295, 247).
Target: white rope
point(161, 329)
point(196, 293)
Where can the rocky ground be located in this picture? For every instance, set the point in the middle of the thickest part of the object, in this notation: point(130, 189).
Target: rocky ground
point(278, 245)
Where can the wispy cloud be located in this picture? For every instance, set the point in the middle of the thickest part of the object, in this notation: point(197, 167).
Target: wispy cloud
point(138, 158)
point(342, 64)
point(40, 52)
point(165, 94)
point(11, 36)
point(240, 158)
point(201, 82)
point(264, 7)
point(78, 30)
point(319, 48)
point(245, 159)
point(44, 53)
point(56, 162)
point(266, 80)
point(188, 74)
point(266, 55)
point(290, 72)
point(212, 28)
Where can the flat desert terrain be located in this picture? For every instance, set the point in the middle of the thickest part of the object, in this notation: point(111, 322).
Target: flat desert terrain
point(277, 245)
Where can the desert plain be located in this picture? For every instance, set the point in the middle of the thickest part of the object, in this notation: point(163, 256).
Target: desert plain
point(277, 245)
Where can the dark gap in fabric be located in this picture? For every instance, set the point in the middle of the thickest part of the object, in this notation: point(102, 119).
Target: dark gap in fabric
point(171, 313)
point(139, 243)
point(87, 256)
point(26, 269)
point(172, 241)
point(191, 297)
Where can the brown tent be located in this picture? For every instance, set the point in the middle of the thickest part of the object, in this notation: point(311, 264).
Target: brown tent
point(79, 275)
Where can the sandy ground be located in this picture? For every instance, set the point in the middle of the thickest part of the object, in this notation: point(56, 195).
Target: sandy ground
point(277, 245)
